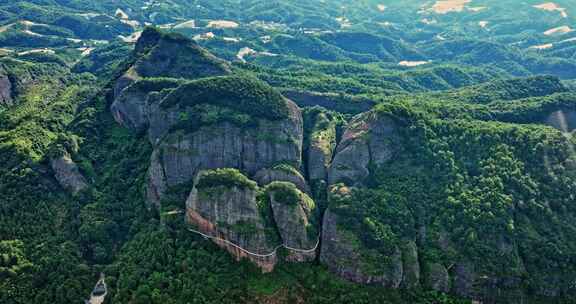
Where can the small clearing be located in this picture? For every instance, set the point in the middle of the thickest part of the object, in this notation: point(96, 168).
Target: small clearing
point(429, 21)
point(5, 51)
point(88, 15)
point(132, 38)
point(483, 24)
point(85, 51)
point(131, 23)
point(568, 40)
point(37, 51)
point(270, 26)
point(412, 63)
point(558, 30)
point(222, 24)
point(246, 51)
point(381, 7)
point(190, 24)
point(542, 46)
point(344, 22)
point(449, 6)
point(204, 36)
point(231, 39)
point(477, 8)
point(5, 28)
point(121, 14)
point(551, 7)
point(99, 292)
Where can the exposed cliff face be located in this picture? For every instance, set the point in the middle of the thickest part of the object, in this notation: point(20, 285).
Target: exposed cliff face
point(368, 140)
point(322, 142)
point(563, 120)
point(203, 131)
point(67, 173)
point(341, 252)
point(375, 229)
point(182, 155)
point(282, 173)
point(17, 76)
point(5, 90)
point(231, 214)
point(200, 125)
point(296, 218)
point(227, 206)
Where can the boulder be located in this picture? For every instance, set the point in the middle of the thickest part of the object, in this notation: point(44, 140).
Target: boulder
point(370, 139)
point(295, 215)
point(563, 120)
point(437, 278)
point(225, 208)
point(411, 265)
point(342, 253)
point(5, 91)
point(321, 147)
point(282, 173)
point(67, 173)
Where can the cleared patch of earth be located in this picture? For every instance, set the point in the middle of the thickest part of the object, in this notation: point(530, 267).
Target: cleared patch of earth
point(344, 22)
point(558, 30)
point(551, 7)
point(448, 6)
point(246, 51)
point(412, 63)
point(542, 46)
point(121, 14)
point(37, 51)
point(477, 8)
point(190, 24)
point(222, 24)
point(85, 51)
point(132, 38)
point(205, 36)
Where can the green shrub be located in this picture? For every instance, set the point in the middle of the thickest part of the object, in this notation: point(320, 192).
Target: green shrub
point(285, 193)
point(227, 177)
point(242, 94)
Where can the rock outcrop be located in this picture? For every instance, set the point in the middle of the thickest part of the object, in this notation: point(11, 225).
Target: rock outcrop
point(342, 253)
point(225, 205)
point(296, 218)
point(368, 140)
point(227, 210)
point(322, 142)
point(563, 120)
point(220, 134)
point(182, 155)
point(67, 173)
point(194, 122)
point(282, 173)
point(437, 278)
point(5, 90)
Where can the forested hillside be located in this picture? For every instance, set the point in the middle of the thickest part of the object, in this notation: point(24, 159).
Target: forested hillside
point(287, 151)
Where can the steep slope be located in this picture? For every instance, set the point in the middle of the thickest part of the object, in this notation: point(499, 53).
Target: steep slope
point(435, 203)
point(199, 123)
point(397, 180)
point(147, 172)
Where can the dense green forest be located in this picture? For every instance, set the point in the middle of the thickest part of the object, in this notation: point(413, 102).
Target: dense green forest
point(428, 150)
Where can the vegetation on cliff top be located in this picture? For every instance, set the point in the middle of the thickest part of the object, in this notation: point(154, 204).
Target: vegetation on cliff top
point(243, 94)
